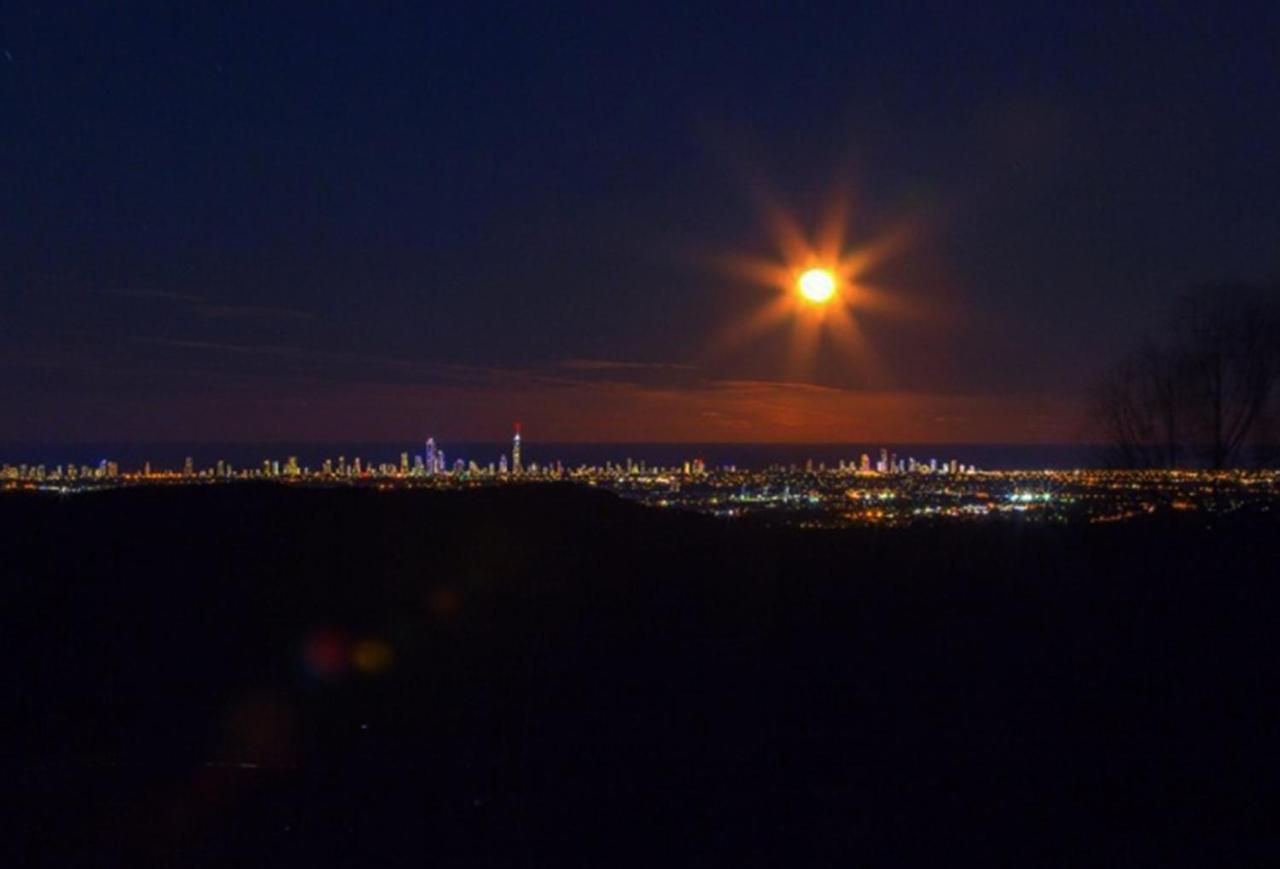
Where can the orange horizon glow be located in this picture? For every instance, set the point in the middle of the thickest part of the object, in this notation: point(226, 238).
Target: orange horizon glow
point(722, 411)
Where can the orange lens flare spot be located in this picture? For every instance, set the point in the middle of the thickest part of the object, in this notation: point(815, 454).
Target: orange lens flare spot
point(817, 285)
point(372, 656)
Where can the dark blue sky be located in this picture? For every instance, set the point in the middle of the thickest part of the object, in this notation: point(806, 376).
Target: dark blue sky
point(255, 223)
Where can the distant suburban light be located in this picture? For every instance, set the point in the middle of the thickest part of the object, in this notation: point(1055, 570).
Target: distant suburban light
point(817, 285)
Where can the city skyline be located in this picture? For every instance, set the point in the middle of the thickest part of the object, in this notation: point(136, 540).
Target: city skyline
point(877, 488)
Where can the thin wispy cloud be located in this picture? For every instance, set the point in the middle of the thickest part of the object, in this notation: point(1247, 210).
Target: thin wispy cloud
point(203, 306)
point(614, 364)
point(154, 295)
point(224, 347)
point(254, 312)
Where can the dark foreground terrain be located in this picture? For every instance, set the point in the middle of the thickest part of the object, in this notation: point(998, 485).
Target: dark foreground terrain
point(549, 676)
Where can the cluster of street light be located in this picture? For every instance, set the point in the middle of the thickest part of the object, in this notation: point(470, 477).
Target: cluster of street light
point(885, 492)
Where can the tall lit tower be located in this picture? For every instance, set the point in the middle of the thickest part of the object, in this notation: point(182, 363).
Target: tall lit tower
point(515, 452)
point(430, 457)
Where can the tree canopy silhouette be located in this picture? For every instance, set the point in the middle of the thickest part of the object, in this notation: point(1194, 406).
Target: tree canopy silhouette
point(1203, 394)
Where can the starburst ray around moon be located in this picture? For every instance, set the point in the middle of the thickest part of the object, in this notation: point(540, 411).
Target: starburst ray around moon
point(819, 288)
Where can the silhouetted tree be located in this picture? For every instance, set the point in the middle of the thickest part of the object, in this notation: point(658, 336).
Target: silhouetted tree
point(1137, 404)
point(1229, 341)
point(1206, 392)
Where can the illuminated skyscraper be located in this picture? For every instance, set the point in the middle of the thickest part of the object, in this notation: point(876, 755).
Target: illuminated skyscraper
point(516, 467)
point(430, 456)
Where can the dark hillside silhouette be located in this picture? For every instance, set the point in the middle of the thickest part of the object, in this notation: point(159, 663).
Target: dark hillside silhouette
point(552, 676)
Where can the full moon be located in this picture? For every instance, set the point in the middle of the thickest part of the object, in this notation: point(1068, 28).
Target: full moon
point(817, 285)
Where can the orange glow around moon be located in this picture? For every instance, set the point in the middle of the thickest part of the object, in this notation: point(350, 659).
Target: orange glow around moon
point(820, 286)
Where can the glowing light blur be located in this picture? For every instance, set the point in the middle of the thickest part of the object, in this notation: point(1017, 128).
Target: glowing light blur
point(325, 653)
point(817, 285)
point(330, 654)
point(820, 284)
point(372, 656)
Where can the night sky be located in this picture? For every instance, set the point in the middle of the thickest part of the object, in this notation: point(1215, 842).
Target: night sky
point(270, 225)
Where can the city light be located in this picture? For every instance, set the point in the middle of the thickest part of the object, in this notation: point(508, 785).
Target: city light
point(879, 487)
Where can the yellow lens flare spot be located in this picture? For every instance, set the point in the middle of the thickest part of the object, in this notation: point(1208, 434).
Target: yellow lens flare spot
point(817, 285)
point(372, 656)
